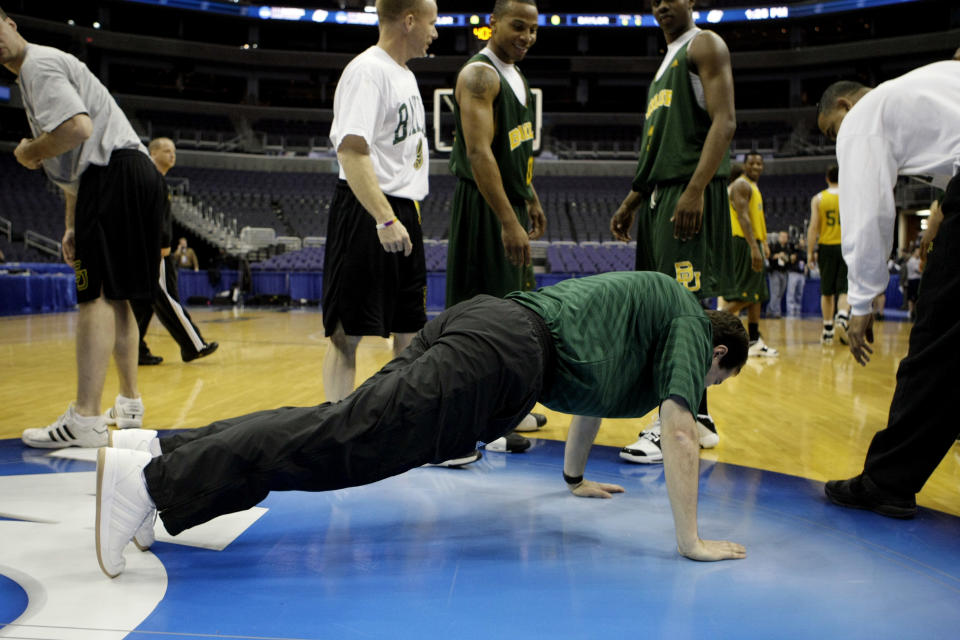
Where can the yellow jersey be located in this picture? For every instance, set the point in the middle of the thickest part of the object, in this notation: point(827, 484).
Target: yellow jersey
point(755, 207)
point(829, 217)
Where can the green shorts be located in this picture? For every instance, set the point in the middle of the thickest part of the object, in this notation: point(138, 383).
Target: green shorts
point(476, 262)
point(833, 270)
point(701, 264)
point(747, 285)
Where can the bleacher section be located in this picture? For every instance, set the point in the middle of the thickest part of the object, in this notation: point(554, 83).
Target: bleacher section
point(578, 208)
point(31, 203)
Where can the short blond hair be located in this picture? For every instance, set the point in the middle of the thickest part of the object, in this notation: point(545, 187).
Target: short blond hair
point(393, 10)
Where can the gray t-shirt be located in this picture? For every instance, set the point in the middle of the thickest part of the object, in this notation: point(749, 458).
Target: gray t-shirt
point(55, 87)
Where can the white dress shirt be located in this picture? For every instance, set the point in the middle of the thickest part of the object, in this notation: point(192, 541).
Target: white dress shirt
point(908, 126)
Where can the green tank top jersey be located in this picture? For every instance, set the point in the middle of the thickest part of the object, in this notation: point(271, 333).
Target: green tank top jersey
point(512, 139)
point(675, 129)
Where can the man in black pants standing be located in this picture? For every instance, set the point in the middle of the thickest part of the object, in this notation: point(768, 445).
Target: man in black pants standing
point(904, 126)
point(470, 374)
point(166, 302)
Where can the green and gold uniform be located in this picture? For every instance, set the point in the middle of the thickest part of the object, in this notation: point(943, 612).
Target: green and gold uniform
point(476, 262)
point(833, 269)
point(746, 283)
point(676, 128)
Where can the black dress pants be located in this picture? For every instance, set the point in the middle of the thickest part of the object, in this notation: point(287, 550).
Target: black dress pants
point(923, 422)
point(470, 374)
point(174, 318)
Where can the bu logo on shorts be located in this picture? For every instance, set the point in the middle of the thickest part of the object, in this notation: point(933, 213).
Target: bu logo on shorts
point(81, 275)
point(687, 276)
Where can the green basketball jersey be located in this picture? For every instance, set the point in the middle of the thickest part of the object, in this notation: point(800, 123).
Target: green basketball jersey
point(675, 128)
point(512, 140)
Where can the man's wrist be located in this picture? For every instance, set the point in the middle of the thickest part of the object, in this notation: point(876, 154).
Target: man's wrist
point(572, 480)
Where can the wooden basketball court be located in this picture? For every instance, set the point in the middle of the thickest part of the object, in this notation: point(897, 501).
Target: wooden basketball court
point(809, 413)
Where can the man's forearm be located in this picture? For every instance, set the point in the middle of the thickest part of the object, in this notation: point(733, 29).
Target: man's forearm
point(681, 464)
point(358, 169)
point(715, 148)
point(489, 181)
point(70, 210)
point(583, 431)
point(69, 135)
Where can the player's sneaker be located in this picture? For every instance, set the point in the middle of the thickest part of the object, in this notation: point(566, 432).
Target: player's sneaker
point(510, 443)
point(459, 461)
point(758, 349)
point(123, 504)
point(646, 450)
point(136, 440)
point(532, 422)
point(841, 322)
point(827, 337)
point(126, 413)
point(69, 430)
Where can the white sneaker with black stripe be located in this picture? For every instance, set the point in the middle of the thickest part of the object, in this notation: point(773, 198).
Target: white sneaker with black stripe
point(841, 321)
point(69, 430)
point(126, 413)
point(646, 450)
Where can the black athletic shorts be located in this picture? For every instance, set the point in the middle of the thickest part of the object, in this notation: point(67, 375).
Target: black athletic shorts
point(117, 228)
point(372, 292)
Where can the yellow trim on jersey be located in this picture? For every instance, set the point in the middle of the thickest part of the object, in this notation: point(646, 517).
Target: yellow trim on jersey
point(829, 217)
point(755, 208)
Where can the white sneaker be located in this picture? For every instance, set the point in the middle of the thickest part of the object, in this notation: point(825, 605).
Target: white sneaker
point(126, 413)
point(123, 504)
point(759, 349)
point(139, 440)
point(646, 450)
point(69, 430)
point(136, 440)
point(827, 336)
point(459, 461)
point(840, 322)
point(531, 422)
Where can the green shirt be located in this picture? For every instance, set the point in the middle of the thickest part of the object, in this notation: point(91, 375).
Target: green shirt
point(512, 143)
point(625, 341)
point(675, 128)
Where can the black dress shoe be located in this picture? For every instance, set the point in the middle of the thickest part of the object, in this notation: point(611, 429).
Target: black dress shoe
point(149, 359)
point(861, 493)
point(208, 348)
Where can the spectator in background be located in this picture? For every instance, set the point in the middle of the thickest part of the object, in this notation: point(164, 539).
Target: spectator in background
point(796, 278)
point(777, 273)
point(185, 257)
point(114, 202)
point(175, 319)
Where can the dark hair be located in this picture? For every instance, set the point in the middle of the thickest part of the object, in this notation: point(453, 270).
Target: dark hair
point(500, 6)
point(833, 173)
point(392, 10)
point(753, 153)
point(729, 332)
point(836, 91)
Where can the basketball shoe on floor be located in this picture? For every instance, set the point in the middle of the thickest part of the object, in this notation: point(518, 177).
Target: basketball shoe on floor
point(459, 461)
point(827, 337)
point(69, 430)
point(511, 443)
point(123, 504)
point(758, 349)
point(646, 450)
point(531, 422)
point(126, 413)
point(841, 322)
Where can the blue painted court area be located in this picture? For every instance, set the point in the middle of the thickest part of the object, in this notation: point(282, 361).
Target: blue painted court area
point(500, 549)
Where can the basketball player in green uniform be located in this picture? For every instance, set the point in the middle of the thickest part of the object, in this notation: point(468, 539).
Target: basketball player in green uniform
point(679, 194)
point(824, 234)
point(495, 208)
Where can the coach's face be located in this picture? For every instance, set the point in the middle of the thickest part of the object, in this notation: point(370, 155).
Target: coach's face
point(830, 120)
point(423, 27)
point(12, 45)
